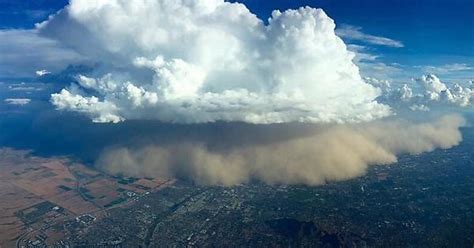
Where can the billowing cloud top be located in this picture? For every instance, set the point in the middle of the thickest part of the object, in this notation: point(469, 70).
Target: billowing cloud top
point(429, 91)
point(194, 61)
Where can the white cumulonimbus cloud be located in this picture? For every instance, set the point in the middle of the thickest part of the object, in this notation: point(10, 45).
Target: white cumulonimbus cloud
point(209, 60)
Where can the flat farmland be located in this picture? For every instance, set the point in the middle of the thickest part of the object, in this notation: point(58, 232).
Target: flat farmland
point(26, 181)
point(38, 193)
point(13, 199)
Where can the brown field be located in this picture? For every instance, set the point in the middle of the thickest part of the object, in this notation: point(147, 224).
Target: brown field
point(73, 202)
point(13, 198)
point(147, 183)
point(104, 190)
point(82, 172)
point(45, 179)
point(27, 180)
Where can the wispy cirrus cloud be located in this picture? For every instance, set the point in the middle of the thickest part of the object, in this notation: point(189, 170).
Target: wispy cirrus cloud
point(350, 32)
point(447, 68)
point(17, 101)
point(371, 64)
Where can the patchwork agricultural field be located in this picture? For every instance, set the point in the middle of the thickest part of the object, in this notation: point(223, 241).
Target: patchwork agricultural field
point(39, 193)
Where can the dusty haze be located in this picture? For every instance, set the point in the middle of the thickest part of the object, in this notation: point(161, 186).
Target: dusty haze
point(324, 153)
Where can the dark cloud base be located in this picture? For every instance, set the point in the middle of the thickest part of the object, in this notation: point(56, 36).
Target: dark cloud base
point(51, 133)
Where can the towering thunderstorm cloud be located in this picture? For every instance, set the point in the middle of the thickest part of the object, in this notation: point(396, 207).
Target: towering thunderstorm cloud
point(201, 61)
point(324, 153)
point(194, 61)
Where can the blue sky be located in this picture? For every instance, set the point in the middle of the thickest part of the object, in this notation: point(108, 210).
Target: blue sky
point(437, 35)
